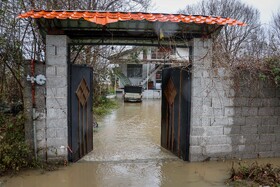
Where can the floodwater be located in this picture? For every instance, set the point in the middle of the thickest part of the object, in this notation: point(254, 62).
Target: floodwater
point(127, 152)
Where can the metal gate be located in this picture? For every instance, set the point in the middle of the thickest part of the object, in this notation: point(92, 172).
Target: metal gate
point(175, 112)
point(80, 114)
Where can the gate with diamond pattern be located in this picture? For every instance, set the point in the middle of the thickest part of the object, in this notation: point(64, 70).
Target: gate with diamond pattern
point(80, 112)
point(175, 112)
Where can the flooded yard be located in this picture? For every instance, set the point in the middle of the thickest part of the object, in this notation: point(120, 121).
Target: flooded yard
point(127, 152)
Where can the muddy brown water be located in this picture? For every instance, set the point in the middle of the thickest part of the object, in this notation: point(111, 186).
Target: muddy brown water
point(127, 152)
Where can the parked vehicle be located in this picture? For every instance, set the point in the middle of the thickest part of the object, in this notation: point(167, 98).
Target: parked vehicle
point(133, 93)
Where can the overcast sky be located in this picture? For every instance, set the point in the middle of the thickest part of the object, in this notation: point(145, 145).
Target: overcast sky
point(266, 7)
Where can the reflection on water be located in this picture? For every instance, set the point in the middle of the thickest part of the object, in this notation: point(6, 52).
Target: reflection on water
point(127, 153)
point(130, 133)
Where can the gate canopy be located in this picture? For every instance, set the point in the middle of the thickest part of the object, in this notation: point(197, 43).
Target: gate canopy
point(127, 28)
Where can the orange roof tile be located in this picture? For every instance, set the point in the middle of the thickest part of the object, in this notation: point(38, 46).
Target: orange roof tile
point(104, 18)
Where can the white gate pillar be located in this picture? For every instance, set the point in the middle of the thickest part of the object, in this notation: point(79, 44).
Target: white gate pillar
point(56, 97)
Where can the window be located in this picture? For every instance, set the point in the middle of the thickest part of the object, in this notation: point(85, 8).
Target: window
point(134, 70)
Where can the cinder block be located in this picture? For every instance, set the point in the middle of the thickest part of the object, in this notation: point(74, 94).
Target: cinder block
point(214, 130)
point(207, 102)
point(196, 110)
point(40, 134)
point(196, 82)
point(277, 111)
point(51, 133)
point(276, 130)
point(198, 101)
point(263, 147)
point(276, 147)
point(233, 111)
point(268, 93)
point(57, 123)
point(237, 121)
point(219, 121)
point(57, 142)
point(207, 111)
point(254, 102)
point(196, 140)
point(50, 70)
point(266, 111)
point(234, 129)
point(218, 112)
point(56, 82)
point(53, 113)
point(212, 149)
point(249, 111)
point(196, 150)
point(253, 121)
point(245, 139)
point(241, 101)
point(58, 103)
point(250, 155)
point(61, 133)
point(217, 140)
point(195, 121)
point(270, 102)
point(265, 129)
point(266, 154)
point(61, 70)
point(205, 121)
point(197, 131)
point(249, 129)
point(267, 138)
point(269, 121)
point(246, 148)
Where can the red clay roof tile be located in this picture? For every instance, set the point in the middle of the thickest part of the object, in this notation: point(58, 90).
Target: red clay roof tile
point(104, 18)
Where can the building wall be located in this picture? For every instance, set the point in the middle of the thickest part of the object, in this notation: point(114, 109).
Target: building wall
point(227, 122)
point(136, 80)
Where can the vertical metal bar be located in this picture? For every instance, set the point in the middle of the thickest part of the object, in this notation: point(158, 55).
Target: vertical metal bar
point(179, 115)
point(172, 127)
point(167, 125)
point(79, 130)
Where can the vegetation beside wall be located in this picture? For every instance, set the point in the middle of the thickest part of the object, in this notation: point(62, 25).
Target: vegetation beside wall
point(254, 175)
point(103, 106)
point(14, 152)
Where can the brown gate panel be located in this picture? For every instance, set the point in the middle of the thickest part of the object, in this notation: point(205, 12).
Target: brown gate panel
point(175, 120)
point(80, 113)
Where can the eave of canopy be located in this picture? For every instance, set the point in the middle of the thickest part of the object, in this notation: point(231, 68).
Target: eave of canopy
point(127, 28)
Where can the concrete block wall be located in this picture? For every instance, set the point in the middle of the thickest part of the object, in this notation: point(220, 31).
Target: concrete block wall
point(258, 103)
point(227, 122)
point(56, 96)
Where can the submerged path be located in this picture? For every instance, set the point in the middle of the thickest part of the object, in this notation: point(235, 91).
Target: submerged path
point(127, 153)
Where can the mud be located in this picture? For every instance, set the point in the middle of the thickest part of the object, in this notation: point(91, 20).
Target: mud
point(127, 152)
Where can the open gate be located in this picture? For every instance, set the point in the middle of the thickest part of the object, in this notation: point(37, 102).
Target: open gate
point(175, 112)
point(80, 114)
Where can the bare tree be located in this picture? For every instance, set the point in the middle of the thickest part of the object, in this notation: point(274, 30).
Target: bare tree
point(232, 42)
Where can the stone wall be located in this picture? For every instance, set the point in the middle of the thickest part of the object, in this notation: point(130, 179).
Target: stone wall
point(227, 122)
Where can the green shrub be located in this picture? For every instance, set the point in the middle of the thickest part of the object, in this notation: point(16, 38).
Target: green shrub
point(103, 106)
point(14, 153)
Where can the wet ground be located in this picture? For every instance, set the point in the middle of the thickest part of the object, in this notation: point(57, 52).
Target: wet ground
point(127, 152)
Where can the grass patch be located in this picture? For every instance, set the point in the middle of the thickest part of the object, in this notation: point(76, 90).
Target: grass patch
point(254, 175)
point(103, 106)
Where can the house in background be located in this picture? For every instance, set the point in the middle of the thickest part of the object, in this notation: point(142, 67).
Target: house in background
point(143, 65)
